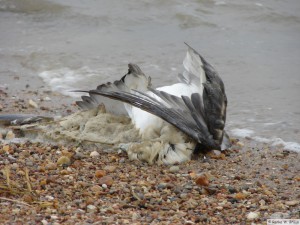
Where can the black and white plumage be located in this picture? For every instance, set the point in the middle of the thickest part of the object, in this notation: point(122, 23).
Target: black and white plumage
point(173, 119)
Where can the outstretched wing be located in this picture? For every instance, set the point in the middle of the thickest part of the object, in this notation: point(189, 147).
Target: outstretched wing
point(201, 114)
point(134, 79)
point(183, 115)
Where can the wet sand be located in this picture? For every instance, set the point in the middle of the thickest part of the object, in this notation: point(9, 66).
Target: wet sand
point(43, 183)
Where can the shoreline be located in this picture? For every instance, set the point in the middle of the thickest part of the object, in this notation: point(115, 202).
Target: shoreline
point(250, 183)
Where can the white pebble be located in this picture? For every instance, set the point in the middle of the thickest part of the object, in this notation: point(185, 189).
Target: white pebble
point(44, 222)
point(32, 104)
point(91, 208)
point(174, 169)
point(10, 135)
point(47, 99)
point(94, 154)
point(252, 215)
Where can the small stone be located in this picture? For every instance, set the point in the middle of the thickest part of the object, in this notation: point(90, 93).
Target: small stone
point(96, 189)
point(183, 195)
point(91, 208)
point(122, 160)
point(16, 211)
point(174, 169)
point(162, 186)
point(106, 180)
point(240, 144)
point(100, 173)
point(232, 190)
point(64, 160)
point(50, 166)
point(78, 155)
point(292, 203)
point(94, 154)
point(252, 215)
point(32, 104)
point(104, 186)
point(280, 215)
point(240, 196)
point(14, 166)
point(10, 135)
point(202, 180)
point(27, 198)
point(64, 172)
point(47, 98)
point(6, 148)
point(110, 168)
point(21, 173)
point(44, 222)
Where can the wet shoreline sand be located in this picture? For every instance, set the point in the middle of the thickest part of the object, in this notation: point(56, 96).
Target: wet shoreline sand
point(49, 183)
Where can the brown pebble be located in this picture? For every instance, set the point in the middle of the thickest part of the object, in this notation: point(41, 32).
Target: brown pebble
point(96, 189)
point(43, 182)
point(106, 180)
point(27, 198)
point(240, 196)
point(202, 180)
point(100, 173)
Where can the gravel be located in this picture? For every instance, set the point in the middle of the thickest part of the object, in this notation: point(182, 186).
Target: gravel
point(47, 183)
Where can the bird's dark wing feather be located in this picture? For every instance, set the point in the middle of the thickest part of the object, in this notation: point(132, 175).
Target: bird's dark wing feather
point(201, 116)
point(185, 118)
point(135, 78)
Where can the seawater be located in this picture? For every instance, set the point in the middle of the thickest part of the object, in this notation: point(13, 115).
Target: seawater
point(254, 45)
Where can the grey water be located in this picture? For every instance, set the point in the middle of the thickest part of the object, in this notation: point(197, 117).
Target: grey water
point(253, 44)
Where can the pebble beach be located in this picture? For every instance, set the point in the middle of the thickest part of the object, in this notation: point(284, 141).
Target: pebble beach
point(48, 183)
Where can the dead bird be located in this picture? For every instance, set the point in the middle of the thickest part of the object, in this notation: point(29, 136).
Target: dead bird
point(174, 121)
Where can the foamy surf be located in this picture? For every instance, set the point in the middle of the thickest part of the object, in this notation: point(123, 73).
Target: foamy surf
point(64, 80)
point(276, 142)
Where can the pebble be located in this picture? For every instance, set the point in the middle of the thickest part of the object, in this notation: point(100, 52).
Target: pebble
point(106, 180)
point(91, 208)
point(10, 135)
point(110, 168)
point(44, 222)
point(292, 203)
point(183, 195)
point(78, 155)
point(100, 173)
point(232, 190)
point(240, 196)
point(122, 160)
point(279, 215)
point(32, 104)
point(174, 169)
point(47, 98)
point(96, 189)
point(64, 160)
point(94, 154)
point(252, 215)
point(202, 180)
point(50, 166)
point(6, 148)
point(14, 166)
